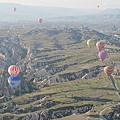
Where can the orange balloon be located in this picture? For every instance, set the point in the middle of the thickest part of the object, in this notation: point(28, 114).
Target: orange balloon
point(108, 70)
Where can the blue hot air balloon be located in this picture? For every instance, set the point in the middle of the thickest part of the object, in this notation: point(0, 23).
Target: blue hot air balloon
point(14, 81)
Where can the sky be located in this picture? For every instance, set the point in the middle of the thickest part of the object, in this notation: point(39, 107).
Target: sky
point(103, 4)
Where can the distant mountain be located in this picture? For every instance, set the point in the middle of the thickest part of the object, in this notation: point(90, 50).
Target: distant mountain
point(24, 12)
point(32, 13)
point(110, 12)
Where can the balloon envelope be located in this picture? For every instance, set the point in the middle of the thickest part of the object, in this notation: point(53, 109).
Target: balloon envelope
point(108, 70)
point(100, 45)
point(13, 70)
point(40, 20)
point(90, 43)
point(102, 55)
point(14, 81)
point(24, 25)
point(14, 9)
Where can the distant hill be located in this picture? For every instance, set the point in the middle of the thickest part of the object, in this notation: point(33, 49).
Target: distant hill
point(32, 13)
point(110, 12)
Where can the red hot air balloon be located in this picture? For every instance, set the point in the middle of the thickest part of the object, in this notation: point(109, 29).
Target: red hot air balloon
point(14, 9)
point(102, 55)
point(13, 70)
point(40, 20)
point(108, 70)
point(100, 45)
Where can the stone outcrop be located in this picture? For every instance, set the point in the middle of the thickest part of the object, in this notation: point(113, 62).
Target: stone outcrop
point(59, 113)
point(114, 114)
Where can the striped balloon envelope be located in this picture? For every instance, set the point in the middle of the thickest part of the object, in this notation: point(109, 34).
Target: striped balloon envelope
point(108, 70)
point(14, 81)
point(13, 70)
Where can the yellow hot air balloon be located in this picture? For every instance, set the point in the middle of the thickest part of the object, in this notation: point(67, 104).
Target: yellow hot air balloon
point(90, 43)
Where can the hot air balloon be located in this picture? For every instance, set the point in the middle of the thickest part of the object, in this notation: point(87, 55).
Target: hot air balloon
point(13, 70)
point(40, 20)
point(108, 70)
point(100, 45)
point(14, 9)
point(24, 25)
point(14, 81)
point(90, 43)
point(102, 55)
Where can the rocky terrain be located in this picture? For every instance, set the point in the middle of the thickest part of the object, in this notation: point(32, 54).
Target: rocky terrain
point(49, 57)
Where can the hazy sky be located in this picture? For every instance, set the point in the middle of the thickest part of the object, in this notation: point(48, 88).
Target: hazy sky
point(69, 3)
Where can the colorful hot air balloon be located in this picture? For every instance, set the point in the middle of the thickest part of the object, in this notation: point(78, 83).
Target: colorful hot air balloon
point(108, 70)
point(102, 55)
point(100, 45)
point(14, 81)
point(40, 20)
point(90, 43)
point(14, 9)
point(13, 70)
